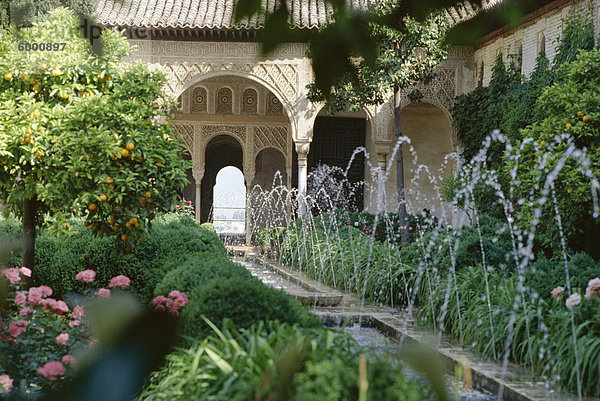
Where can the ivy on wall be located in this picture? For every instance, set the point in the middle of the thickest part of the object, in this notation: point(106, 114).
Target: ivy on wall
point(508, 103)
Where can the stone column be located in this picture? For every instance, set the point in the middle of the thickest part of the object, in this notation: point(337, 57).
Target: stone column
point(248, 177)
point(381, 198)
point(198, 174)
point(302, 148)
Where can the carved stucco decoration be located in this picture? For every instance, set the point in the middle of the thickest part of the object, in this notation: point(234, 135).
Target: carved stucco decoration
point(440, 92)
point(208, 131)
point(281, 77)
point(270, 137)
point(185, 133)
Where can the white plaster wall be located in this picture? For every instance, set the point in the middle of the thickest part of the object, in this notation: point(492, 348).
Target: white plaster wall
point(550, 25)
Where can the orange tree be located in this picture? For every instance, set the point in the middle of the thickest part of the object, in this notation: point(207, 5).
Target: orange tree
point(82, 134)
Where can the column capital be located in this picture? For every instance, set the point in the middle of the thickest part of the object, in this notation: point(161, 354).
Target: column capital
point(198, 174)
point(383, 150)
point(302, 148)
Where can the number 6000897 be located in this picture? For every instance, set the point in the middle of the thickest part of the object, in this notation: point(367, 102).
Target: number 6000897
point(28, 47)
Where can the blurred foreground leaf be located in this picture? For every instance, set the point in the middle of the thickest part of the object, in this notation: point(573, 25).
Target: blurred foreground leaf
point(426, 361)
point(118, 370)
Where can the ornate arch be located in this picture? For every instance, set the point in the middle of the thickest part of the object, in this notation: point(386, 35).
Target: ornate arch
point(280, 79)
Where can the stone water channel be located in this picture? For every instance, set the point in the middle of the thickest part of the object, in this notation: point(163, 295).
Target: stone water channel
point(381, 328)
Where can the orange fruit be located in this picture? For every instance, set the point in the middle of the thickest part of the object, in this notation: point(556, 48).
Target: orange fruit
point(103, 198)
point(133, 220)
point(124, 152)
point(112, 187)
point(43, 66)
point(569, 191)
point(579, 114)
point(38, 154)
point(124, 237)
point(108, 180)
point(112, 220)
point(542, 143)
point(85, 224)
point(8, 76)
point(129, 146)
point(568, 125)
point(143, 201)
point(115, 228)
point(165, 124)
point(92, 206)
point(585, 119)
point(148, 195)
point(36, 88)
point(128, 224)
point(57, 72)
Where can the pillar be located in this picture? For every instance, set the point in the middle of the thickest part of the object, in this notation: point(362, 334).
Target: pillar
point(302, 148)
point(248, 177)
point(382, 153)
point(198, 174)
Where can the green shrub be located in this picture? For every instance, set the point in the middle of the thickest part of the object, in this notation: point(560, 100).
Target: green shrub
point(197, 270)
point(208, 226)
point(277, 362)
point(245, 300)
point(59, 259)
point(545, 274)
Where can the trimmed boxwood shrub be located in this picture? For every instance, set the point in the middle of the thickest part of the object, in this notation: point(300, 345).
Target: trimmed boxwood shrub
point(198, 269)
point(244, 300)
point(58, 259)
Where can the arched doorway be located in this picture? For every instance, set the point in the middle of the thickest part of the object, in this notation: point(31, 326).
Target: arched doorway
point(221, 151)
point(335, 139)
point(430, 132)
point(229, 202)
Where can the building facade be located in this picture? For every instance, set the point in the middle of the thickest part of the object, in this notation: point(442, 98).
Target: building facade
point(244, 110)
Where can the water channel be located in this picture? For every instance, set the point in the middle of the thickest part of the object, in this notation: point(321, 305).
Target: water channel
point(370, 338)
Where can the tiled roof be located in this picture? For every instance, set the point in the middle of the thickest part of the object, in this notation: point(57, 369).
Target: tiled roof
point(209, 14)
point(218, 14)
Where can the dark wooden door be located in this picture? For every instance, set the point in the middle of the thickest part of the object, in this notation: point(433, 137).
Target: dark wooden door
point(334, 142)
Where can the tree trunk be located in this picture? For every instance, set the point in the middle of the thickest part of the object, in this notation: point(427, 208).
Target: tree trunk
point(402, 214)
point(29, 214)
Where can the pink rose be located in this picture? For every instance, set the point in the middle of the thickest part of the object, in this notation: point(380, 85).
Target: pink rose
point(17, 328)
point(48, 303)
point(34, 296)
point(119, 281)
point(52, 370)
point(557, 292)
point(189, 203)
point(61, 307)
point(6, 384)
point(592, 288)
point(78, 312)
point(68, 359)
point(25, 271)
point(62, 338)
point(46, 291)
point(87, 276)
point(160, 308)
point(20, 299)
point(12, 275)
point(74, 323)
point(159, 300)
point(25, 311)
point(103, 293)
